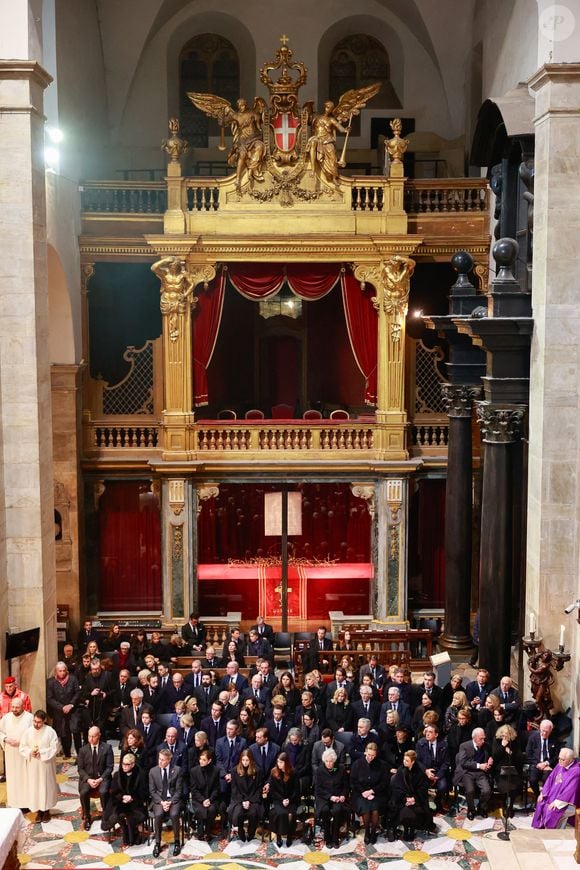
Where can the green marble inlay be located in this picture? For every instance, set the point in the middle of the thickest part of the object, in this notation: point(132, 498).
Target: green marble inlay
point(393, 578)
point(177, 579)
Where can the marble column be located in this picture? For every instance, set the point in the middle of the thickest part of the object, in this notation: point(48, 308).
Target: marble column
point(458, 518)
point(501, 428)
point(177, 514)
point(553, 518)
point(27, 553)
point(392, 506)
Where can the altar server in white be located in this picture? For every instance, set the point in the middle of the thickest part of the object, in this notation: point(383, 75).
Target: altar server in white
point(40, 746)
point(12, 727)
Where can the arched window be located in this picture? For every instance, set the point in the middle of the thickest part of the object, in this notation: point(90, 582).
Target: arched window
point(357, 61)
point(208, 64)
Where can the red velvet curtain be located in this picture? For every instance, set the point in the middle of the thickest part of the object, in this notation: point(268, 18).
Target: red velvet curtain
point(312, 280)
point(335, 524)
point(256, 280)
point(362, 326)
point(206, 324)
point(129, 547)
point(309, 281)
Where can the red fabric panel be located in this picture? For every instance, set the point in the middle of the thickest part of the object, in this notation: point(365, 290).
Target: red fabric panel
point(206, 324)
point(221, 589)
point(312, 280)
point(129, 548)
point(361, 322)
point(256, 280)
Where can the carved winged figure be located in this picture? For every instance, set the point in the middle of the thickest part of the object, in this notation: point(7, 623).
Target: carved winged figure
point(248, 148)
point(322, 144)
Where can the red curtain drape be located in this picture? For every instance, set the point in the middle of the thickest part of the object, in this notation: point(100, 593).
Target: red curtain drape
point(206, 324)
point(256, 280)
point(309, 281)
point(362, 326)
point(312, 280)
point(129, 547)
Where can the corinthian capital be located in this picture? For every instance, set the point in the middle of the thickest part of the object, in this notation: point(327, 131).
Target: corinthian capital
point(501, 424)
point(458, 399)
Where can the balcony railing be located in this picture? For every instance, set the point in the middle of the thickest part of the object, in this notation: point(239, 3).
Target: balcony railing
point(267, 437)
point(123, 197)
point(446, 195)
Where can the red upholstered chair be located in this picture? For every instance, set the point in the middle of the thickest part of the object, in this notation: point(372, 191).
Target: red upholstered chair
point(339, 414)
point(312, 414)
point(282, 412)
point(254, 414)
point(227, 414)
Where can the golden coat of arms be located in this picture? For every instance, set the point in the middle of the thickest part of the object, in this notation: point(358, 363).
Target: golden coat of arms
point(283, 150)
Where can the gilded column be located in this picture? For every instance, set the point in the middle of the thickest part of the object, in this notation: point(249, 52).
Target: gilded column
point(391, 562)
point(391, 280)
point(501, 428)
point(458, 400)
point(177, 513)
point(177, 302)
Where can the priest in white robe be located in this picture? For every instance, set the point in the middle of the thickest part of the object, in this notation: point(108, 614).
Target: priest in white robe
point(12, 727)
point(39, 746)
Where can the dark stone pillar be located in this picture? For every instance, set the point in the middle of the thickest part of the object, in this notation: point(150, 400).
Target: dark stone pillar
point(501, 428)
point(458, 516)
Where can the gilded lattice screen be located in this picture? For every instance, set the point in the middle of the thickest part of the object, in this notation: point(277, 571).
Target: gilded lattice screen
point(428, 380)
point(134, 394)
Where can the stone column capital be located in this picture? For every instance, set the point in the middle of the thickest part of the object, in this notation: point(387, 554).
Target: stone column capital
point(501, 424)
point(458, 399)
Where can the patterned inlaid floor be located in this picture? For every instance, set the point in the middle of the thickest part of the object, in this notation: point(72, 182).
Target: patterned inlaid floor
point(61, 843)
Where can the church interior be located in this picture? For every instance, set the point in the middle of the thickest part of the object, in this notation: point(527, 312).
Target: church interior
point(289, 324)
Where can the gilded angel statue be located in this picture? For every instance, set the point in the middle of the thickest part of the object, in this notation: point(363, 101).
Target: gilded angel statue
point(248, 148)
point(322, 143)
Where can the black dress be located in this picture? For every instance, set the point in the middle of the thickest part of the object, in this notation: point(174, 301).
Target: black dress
point(339, 716)
point(365, 776)
point(128, 815)
point(283, 818)
point(246, 788)
point(331, 783)
point(204, 783)
point(411, 783)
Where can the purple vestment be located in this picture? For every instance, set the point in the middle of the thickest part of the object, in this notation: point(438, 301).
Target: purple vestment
point(563, 784)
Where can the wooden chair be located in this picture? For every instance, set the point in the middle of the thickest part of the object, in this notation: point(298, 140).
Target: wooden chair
point(339, 414)
point(254, 414)
point(312, 414)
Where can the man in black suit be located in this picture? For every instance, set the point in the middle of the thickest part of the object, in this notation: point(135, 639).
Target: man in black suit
point(210, 660)
point(366, 708)
point(405, 689)
point(232, 675)
point(363, 736)
point(164, 673)
point(193, 633)
point(239, 640)
point(131, 716)
point(227, 754)
point(152, 692)
point(340, 682)
point(269, 678)
point(264, 630)
point(86, 634)
point(320, 643)
point(478, 690)
point(206, 695)
point(95, 765)
point(176, 747)
point(214, 725)
point(473, 772)
point(264, 753)
point(509, 700)
point(152, 737)
point(277, 725)
point(193, 679)
point(257, 691)
point(258, 646)
point(375, 669)
point(394, 702)
point(121, 691)
point(433, 756)
point(175, 691)
point(428, 687)
point(541, 755)
point(166, 791)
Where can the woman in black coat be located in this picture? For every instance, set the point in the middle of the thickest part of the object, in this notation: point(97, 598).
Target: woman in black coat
point(508, 765)
point(459, 733)
point(394, 752)
point(369, 781)
point(339, 715)
point(63, 695)
point(410, 797)
point(284, 795)
point(127, 802)
point(331, 789)
point(204, 784)
point(246, 801)
point(232, 654)
point(287, 688)
point(299, 755)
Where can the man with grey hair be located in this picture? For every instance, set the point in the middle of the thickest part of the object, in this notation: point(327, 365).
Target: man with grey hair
point(131, 716)
point(560, 793)
point(541, 755)
point(63, 695)
point(472, 772)
point(395, 702)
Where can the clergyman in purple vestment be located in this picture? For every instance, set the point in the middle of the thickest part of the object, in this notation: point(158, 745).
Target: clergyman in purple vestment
point(561, 789)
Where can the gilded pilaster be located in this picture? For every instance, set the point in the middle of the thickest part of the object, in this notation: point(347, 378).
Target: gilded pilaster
point(391, 560)
point(391, 280)
point(177, 302)
point(177, 523)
